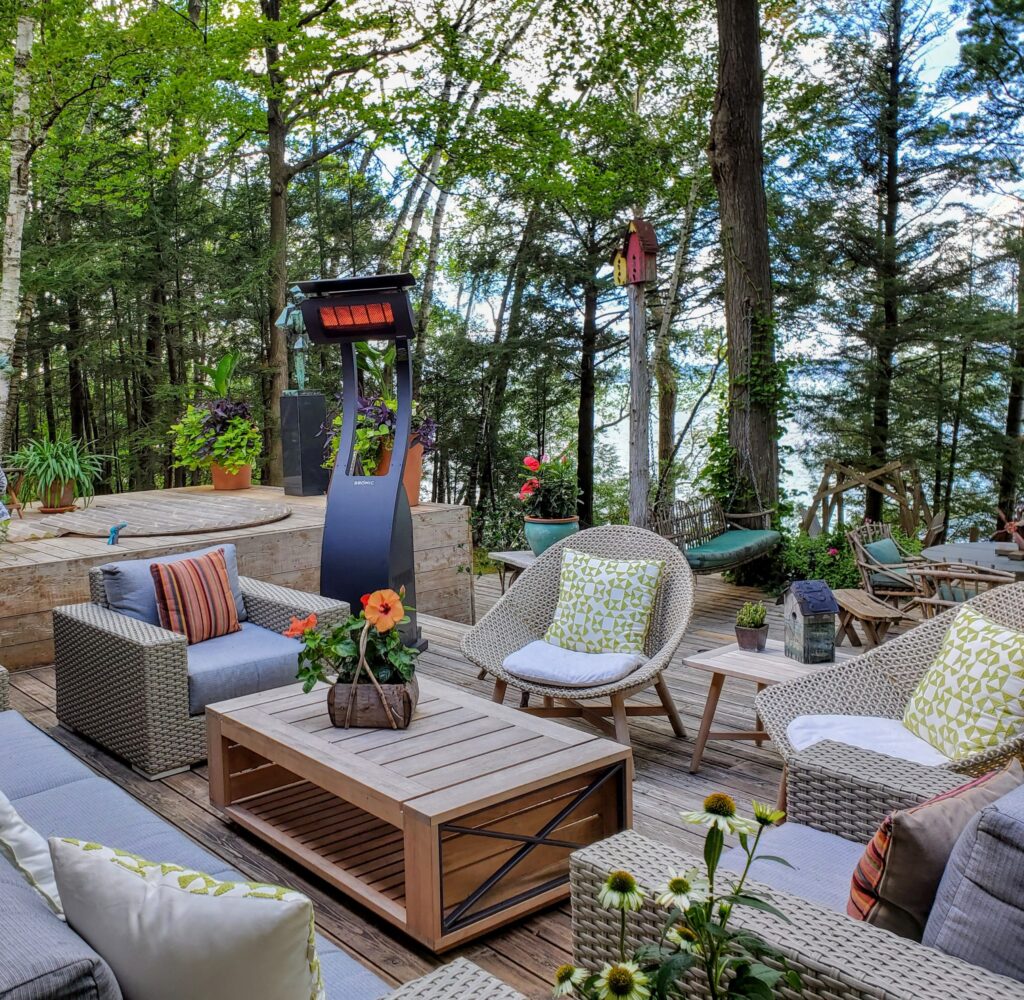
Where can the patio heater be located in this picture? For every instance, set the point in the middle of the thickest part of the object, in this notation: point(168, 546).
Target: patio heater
point(368, 528)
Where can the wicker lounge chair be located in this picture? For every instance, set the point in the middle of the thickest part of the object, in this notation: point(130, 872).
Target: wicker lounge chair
point(124, 683)
point(525, 611)
point(879, 684)
point(4, 689)
point(835, 956)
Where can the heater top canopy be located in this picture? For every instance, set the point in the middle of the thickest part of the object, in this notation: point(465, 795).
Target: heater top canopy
point(375, 307)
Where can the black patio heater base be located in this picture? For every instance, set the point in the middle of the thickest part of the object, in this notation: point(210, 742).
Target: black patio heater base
point(367, 542)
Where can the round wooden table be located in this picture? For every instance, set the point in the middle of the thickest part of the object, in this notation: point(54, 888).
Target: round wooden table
point(977, 554)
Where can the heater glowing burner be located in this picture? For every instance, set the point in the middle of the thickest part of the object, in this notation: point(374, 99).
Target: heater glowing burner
point(373, 317)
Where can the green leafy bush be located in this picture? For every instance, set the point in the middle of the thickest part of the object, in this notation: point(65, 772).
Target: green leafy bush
point(49, 465)
point(199, 443)
point(751, 615)
point(828, 557)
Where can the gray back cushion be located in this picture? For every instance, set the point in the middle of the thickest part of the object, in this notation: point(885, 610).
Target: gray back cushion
point(978, 914)
point(128, 584)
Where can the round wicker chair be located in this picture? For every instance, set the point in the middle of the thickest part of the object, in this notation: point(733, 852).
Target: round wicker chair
point(525, 611)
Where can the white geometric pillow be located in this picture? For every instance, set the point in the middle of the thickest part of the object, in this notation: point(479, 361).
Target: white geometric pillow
point(169, 933)
point(604, 605)
point(26, 850)
point(972, 697)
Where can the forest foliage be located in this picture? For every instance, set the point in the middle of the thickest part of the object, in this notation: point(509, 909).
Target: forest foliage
point(191, 159)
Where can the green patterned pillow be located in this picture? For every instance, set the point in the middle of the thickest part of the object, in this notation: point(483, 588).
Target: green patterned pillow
point(972, 697)
point(170, 932)
point(604, 605)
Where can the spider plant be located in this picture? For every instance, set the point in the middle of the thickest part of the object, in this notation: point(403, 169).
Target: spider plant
point(53, 467)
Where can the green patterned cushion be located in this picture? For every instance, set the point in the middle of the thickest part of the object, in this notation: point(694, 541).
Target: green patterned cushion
point(972, 697)
point(604, 605)
point(170, 932)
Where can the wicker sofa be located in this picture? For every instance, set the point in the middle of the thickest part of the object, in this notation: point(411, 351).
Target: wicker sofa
point(837, 958)
point(125, 683)
point(879, 683)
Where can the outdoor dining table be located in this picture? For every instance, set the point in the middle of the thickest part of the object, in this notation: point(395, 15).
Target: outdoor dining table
point(986, 554)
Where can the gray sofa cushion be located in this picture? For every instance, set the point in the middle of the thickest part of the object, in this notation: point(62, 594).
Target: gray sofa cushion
point(65, 798)
point(822, 863)
point(128, 584)
point(254, 659)
point(978, 913)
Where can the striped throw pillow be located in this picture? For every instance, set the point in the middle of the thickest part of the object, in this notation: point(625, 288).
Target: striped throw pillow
point(194, 598)
point(895, 882)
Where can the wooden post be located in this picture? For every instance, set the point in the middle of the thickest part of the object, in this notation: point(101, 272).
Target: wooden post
point(639, 409)
point(14, 223)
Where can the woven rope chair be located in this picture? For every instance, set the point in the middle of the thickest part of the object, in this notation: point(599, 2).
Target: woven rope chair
point(880, 684)
point(525, 611)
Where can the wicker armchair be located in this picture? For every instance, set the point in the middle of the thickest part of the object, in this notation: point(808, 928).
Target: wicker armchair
point(837, 958)
point(525, 611)
point(458, 980)
point(879, 684)
point(5, 684)
point(123, 683)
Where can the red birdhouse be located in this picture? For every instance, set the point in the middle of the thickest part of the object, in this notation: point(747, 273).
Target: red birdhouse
point(636, 263)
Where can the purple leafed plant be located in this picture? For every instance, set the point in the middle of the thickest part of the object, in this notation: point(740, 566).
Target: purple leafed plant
point(219, 414)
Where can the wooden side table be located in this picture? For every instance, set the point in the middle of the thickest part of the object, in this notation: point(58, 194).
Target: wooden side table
point(770, 666)
point(874, 617)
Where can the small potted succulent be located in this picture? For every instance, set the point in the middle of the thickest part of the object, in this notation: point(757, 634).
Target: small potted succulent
point(219, 435)
point(751, 628)
point(372, 673)
point(549, 494)
point(55, 472)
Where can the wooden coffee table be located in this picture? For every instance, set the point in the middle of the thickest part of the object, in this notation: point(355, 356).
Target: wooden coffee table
point(450, 828)
point(770, 666)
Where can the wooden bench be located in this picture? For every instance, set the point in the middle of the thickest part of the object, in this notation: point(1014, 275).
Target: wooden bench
point(873, 616)
point(714, 541)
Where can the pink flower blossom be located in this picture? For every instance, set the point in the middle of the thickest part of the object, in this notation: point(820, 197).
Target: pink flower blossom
point(531, 463)
point(833, 551)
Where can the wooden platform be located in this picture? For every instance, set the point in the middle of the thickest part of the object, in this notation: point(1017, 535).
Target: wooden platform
point(522, 955)
point(40, 575)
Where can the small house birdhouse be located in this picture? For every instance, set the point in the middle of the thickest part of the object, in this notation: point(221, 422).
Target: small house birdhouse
point(809, 610)
point(636, 261)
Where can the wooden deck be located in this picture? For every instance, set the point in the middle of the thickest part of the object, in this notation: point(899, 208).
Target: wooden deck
point(525, 954)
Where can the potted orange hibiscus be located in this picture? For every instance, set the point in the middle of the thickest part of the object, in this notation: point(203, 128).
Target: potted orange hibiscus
point(372, 673)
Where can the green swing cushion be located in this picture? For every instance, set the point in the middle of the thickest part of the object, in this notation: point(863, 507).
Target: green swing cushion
point(732, 547)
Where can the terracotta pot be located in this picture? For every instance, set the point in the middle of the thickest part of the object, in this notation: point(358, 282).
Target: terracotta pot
point(368, 711)
point(543, 532)
point(752, 639)
point(412, 474)
point(58, 498)
point(224, 480)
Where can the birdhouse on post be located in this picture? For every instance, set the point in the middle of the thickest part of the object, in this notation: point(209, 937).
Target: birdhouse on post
point(809, 610)
point(636, 260)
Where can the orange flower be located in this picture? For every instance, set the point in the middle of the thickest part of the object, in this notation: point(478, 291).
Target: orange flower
point(384, 610)
point(299, 627)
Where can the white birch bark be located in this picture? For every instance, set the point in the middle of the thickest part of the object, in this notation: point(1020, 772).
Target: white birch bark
point(17, 207)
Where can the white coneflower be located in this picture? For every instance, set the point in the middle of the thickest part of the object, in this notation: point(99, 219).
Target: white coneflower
point(682, 891)
point(622, 981)
point(765, 814)
point(620, 892)
point(720, 812)
point(567, 978)
point(683, 937)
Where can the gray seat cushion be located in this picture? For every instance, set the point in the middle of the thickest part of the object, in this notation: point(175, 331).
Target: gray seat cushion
point(68, 799)
point(978, 914)
point(822, 863)
point(254, 659)
point(128, 584)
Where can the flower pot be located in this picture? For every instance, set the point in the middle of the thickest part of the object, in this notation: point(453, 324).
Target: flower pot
point(58, 498)
point(224, 480)
point(543, 532)
point(412, 474)
point(753, 639)
point(368, 710)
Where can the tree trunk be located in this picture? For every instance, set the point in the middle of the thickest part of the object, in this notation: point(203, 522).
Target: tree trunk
point(1009, 472)
point(427, 298)
point(588, 395)
point(736, 154)
point(639, 410)
point(885, 351)
point(14, 222)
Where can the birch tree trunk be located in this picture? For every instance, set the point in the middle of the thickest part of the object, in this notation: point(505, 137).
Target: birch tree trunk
point(14, 223)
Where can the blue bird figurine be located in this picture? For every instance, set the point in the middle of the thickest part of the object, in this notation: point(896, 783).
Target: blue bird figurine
point(115, 531)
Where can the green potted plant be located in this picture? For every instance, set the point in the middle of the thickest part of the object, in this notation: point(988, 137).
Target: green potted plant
point(370, 670)
point(548, 495)
point(55, 472)
point(219, 435)
point(751, 628)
